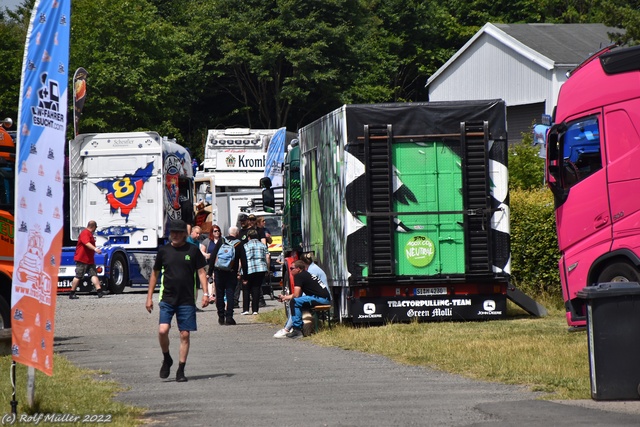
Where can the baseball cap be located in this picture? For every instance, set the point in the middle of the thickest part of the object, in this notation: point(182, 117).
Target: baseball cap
point(243, 217)
point(178, 225)
point(252, 217)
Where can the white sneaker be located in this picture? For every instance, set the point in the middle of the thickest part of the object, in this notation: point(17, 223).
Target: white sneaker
point(255, 313)
point(244, 313)
point(282, 333)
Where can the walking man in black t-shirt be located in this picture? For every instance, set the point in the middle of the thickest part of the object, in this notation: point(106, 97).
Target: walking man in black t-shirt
point(180, 264)
point(315, 293)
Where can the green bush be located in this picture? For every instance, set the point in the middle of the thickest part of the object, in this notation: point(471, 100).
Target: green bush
point(526, 169)
point(534, 244)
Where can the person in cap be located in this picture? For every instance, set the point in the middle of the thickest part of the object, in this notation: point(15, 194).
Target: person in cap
point(243, 220)
point(182, 266)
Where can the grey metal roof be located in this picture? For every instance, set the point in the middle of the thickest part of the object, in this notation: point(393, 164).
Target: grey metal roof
point(566, 44)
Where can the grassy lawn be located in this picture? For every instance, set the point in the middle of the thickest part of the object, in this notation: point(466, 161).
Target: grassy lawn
point(70, 390)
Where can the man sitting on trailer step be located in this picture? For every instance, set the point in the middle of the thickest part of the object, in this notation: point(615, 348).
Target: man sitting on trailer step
point(315, 293)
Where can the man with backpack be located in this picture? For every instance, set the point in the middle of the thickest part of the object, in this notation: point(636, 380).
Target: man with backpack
point(226, 258)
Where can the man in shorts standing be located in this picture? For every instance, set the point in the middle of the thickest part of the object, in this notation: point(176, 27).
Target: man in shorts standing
point(85, 260)
point(182, 266)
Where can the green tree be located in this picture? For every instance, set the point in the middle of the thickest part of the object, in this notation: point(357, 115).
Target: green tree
point(13, 32)
point(623, 14)
point(183, 66)
point(283, 61)
point(399, 45)
point(135, 67)
point(526, 168)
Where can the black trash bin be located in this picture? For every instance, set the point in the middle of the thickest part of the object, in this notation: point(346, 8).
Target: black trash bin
point(613, 332)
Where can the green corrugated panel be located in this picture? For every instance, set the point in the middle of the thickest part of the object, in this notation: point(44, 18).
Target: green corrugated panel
point(435, 243)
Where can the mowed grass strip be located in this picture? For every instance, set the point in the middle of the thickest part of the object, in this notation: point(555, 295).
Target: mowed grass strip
point(71, 390)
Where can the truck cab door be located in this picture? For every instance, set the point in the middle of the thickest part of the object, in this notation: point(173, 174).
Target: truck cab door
point(583, 215)
point(623, 169)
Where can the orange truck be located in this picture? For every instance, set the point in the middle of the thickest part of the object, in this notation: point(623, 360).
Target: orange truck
point(7, 181)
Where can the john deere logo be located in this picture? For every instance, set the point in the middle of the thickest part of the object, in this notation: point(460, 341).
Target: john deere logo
point(420, 251)
point(369, 308)
point(231, 161)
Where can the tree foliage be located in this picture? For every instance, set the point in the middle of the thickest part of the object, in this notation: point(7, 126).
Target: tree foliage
point(13, 31)
point(134, 67)
point(181, 67)
point(526, 168)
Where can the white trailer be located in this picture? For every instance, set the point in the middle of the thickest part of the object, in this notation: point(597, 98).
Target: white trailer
point(237, 157)
point(132, 184)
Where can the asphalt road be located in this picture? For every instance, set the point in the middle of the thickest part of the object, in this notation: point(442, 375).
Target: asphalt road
point(241, 376)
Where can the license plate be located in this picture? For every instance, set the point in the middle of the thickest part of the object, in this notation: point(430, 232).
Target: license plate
point(430, 291)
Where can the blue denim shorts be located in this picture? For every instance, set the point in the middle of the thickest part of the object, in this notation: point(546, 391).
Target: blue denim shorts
point(185, 315)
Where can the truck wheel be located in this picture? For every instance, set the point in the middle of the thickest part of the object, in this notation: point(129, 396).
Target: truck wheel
point(619, 272)
point(119, 274)
point(5, 314)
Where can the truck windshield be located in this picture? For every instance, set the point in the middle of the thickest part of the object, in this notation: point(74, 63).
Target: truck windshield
point(6, 187)
point(580, 147)
point(274, 225)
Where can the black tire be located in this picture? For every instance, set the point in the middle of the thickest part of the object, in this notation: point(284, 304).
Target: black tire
point(119, 274)
point(619, 272)
point(5, 314)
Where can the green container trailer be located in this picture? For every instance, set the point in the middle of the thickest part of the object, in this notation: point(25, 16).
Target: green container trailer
point(406, 209)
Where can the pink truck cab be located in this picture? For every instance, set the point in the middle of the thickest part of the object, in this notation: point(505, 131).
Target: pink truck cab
point(593, 170)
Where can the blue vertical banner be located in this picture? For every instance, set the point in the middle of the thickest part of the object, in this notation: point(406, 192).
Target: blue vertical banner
point(275, 157)
point(40, 154)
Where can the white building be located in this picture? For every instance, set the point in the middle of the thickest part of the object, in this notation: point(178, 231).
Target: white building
point(524, 64)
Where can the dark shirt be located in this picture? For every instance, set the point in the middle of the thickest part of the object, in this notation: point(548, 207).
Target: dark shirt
point(241, 256)
point(310, 284)
point(243, 234)
point(261, 233)
point(186, 212)
point(179, 267)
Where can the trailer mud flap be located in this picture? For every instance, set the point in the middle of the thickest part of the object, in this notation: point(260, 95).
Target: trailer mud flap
point(428, 309)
